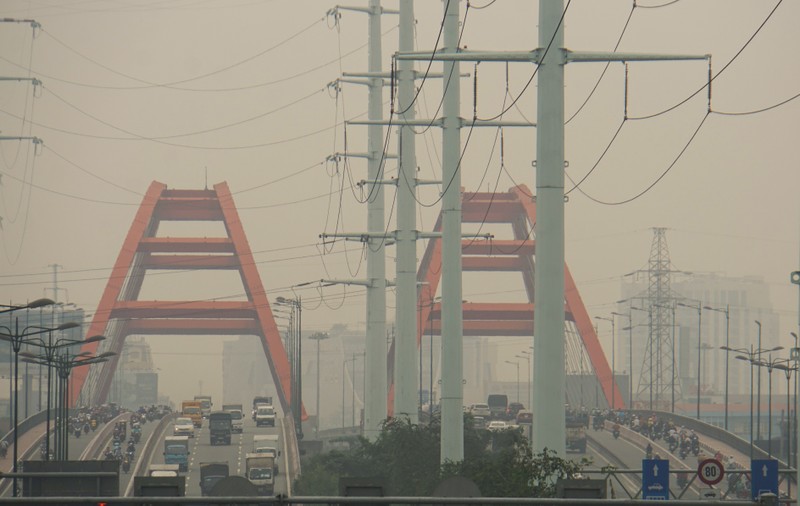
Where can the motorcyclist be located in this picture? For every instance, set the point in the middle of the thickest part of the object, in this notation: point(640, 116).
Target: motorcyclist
point(649, 451)
point(615, 430)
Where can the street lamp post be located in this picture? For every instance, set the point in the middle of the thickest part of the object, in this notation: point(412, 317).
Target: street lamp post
point(758, 412)
point(16, 338)
point(750, 355)
point(297, 380)
point(787, 370)
point(613, 362)
point(344, 368)
point(517, 365)
point(50, 348)
point(64, 363)
point(318, 336)
point(699, 309)
point(727, 312)
point(527, 358)
point(630, 353)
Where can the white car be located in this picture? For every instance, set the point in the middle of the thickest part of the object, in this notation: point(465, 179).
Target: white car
point(183, 427)
point(480, 410)
point(497, 425)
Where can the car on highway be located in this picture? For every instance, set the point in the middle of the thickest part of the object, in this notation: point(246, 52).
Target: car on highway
point(183, 427)
point(496, 425)
point(480, 410)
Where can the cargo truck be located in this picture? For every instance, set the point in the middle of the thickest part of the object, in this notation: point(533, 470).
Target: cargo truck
point(498, 404)
point(260, 471)
point(192, 409)
point(205, 404)
point(176, 451)
point(265, 415)
point(263, 399)
point(210, 474)
point(576, 436)
point(220, 427)
point(237, 417)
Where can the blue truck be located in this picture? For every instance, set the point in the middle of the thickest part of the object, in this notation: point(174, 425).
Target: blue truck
point(176, 451)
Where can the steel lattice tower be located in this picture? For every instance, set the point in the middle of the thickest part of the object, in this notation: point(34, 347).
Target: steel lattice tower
point(658, 367)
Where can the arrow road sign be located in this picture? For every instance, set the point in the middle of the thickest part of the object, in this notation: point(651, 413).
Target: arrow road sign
point(763, 477)
point(655, 479)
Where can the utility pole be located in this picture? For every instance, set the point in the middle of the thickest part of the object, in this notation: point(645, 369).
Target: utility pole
point(405, 377)
point(375, 399)
point(549, 367)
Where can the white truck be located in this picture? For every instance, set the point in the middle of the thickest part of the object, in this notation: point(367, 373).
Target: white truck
point(260, 471)
point(266, 444)
point(265, 415)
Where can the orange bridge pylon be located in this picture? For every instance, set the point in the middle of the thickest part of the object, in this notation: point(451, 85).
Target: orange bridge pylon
point(121, 313)
point(508, 319)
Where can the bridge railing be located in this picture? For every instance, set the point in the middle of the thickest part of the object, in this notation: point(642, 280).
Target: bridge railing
point(737, 443)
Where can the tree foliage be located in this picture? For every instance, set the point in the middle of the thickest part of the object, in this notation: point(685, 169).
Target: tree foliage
point(406, 457)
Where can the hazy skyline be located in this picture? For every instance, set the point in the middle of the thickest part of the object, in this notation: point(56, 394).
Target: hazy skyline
point(189, 91)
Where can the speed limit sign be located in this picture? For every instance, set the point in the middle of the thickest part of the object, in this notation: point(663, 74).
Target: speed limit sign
point(710, 471)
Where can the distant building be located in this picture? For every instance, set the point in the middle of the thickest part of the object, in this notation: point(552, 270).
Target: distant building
point(135, 381)
point(33, 378)
point(748, 299)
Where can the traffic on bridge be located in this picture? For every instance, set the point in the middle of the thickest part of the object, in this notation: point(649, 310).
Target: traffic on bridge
point(455, 252)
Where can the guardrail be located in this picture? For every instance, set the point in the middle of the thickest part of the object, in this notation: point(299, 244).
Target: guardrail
point(737, 443)
point(147, 451)
point(383, 501)
point(292, 451)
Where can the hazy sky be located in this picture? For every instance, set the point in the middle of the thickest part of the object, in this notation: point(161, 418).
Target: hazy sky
point(169, 90)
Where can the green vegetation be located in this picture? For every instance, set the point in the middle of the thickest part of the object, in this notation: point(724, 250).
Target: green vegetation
point(406, 456)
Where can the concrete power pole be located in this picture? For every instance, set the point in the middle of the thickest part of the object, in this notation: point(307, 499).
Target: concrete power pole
point(405, 367)
point(549, 367)
point(452, 442)
point(375, 398)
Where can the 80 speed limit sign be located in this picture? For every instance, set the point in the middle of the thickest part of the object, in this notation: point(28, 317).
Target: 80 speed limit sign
point(710, 471)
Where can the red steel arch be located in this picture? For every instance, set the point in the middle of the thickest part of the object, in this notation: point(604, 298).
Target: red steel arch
point(517, 208)
point(120, 312)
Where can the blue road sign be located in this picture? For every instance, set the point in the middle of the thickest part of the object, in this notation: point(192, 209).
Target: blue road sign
point(763, 477)
point(655, 479)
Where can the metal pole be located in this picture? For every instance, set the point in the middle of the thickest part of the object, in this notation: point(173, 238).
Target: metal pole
point(430, 368)
point(406, 264)
point(344, 365)
point(727, 359)
point(699, 351)
point(672, 406)
point(353, 404)
point(299, 415)
point(769, 408)
point(630, 361)
point(758, 412)
point(17, 342)
point(451, 398)
point(319, 338)
point(613, 367)
point(752, 355)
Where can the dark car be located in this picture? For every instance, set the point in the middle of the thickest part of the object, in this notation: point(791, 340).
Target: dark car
point(513, 409)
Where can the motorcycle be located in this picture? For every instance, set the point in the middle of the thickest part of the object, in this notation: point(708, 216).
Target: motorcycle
point(77, 432)
point(684, 452)
point(616, 433)
point(126, 465)
point(93, 424)
point(86, 428)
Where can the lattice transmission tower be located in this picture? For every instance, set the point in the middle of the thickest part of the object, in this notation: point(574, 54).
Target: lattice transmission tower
point(657, 377)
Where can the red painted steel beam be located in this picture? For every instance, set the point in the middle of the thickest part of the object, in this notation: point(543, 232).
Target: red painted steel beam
point(205, 208)
point(178, 262)
point(591, 342)
point(497, 247)
point(183, 309)
point(492, 264)
point(270, 336)
point(116, 280)
point(192, 327)
point(185, 245)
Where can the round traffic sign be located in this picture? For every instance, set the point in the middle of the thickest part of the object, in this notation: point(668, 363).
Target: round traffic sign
point(710, 471)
